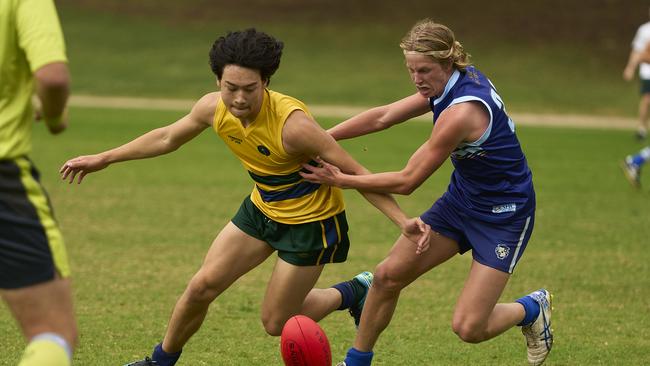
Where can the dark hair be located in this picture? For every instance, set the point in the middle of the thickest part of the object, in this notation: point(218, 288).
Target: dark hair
point(249, 48)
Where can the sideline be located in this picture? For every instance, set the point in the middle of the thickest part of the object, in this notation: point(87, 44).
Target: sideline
point(341, 111)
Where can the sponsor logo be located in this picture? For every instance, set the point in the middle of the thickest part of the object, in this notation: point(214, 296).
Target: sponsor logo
point(264, 150)
point(234, 139)
point(502, 251)
point(508, 207)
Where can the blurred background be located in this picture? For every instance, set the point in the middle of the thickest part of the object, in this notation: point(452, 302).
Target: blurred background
point(547, 56)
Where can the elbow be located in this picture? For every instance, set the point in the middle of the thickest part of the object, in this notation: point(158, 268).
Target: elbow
point(168, 145)
point(407, 185)
point(405, 189)
point(53, 77)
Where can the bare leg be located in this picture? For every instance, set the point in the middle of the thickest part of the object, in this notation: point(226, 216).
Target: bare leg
point(290, 292)
point(232, 254)
point(398, 270)
point(477, 316)
point(644, 106)
point(45, 307)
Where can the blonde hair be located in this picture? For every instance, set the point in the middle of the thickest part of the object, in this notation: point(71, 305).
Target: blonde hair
point(437, 41)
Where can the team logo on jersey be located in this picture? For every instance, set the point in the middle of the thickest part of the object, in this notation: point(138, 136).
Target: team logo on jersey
point(263, 150)
point(502, 251)
point(473, 75)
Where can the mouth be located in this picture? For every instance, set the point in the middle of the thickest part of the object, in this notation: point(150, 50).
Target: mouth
point(423, 90)
point(239, 108)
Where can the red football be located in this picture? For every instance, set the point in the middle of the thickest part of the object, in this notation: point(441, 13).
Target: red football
point(304, 343)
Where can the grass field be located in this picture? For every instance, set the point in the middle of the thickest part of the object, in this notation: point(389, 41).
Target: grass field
point(137, 232)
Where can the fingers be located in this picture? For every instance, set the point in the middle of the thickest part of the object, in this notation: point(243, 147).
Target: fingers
point(69, 172)
point(423, 241)
point(308, 167)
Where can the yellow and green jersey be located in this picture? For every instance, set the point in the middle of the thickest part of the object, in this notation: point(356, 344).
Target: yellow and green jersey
point(30, 37)
point(279, 191)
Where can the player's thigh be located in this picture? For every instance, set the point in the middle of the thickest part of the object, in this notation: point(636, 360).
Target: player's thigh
point(232, 254)
point(288, 288)
point(402, 265)
point(480, 294)
point(44, 307)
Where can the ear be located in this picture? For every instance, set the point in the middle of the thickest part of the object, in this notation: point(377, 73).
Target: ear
point(218, 83)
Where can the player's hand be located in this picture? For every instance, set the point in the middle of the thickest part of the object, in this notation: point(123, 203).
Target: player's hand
point(324, 173)
point(81, 166)
point(57, 125)
point(418, 232)
point(628, 73)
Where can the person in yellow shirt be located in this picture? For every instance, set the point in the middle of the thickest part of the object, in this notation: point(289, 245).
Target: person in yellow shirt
point(272, 135)
point(34, 270)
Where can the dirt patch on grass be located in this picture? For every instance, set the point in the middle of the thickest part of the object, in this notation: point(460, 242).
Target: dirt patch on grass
point(343, 112)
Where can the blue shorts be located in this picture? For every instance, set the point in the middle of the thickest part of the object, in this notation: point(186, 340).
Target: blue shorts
point(499, 246)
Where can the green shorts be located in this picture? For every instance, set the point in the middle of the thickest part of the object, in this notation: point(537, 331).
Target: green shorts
point(308, 244)
point(645, 86)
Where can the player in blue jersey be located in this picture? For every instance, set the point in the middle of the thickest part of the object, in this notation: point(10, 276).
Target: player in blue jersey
point(488, 209)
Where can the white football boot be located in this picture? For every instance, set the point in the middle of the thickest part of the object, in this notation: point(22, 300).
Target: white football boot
point(539, 335)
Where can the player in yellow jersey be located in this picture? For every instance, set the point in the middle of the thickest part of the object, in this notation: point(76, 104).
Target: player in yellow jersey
point(34, 270)
point(272, 135)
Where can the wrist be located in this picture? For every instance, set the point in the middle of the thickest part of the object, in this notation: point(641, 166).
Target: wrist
point(53, 121)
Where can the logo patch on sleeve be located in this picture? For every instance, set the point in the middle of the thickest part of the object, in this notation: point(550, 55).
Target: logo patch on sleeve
point(263, 150)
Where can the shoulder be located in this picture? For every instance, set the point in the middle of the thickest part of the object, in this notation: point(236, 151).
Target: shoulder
point(301, 133)
point(205, 108)
point(285, 104)
point(644, 29)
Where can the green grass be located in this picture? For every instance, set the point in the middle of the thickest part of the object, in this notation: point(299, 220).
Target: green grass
point(146, 56)
point(138, 231)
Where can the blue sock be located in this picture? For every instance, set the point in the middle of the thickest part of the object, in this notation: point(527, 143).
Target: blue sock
point(532, 309)
point(347, 294)
point(638, 160)
point(163, 358)
point(358, 358)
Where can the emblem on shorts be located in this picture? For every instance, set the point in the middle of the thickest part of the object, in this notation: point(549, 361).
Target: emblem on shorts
point(502, 251)
point(263, 150)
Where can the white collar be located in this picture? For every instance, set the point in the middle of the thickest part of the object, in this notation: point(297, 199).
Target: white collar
point(450, 84)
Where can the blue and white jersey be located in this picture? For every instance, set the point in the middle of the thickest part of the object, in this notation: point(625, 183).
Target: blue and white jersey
point(491, 180)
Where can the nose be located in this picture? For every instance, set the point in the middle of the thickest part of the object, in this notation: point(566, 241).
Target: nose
point(239, 99)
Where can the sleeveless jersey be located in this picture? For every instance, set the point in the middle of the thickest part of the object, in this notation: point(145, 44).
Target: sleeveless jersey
point(491, 180)
point(279, 191)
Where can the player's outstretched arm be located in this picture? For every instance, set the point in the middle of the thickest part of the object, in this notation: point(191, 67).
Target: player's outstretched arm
point(453, 126)
point(302, 135)
point(633, 62)
point(153, 143)
point(381, 118)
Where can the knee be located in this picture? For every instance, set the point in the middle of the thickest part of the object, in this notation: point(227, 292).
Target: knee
point(201, 290)
point(273, 326)
point(387, 279)
point(468, 331)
